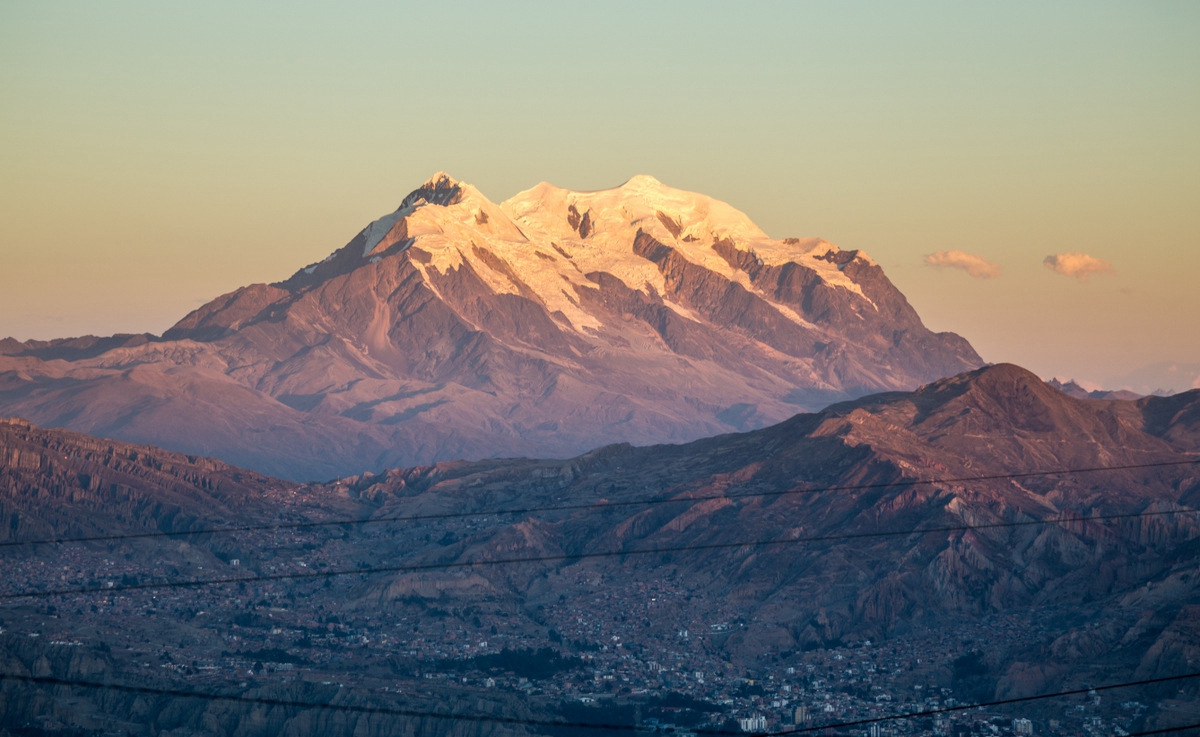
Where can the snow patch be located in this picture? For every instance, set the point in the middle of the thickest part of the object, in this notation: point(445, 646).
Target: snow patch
point(541, 242)
point(682, 311)
point(686, 221)
point(376, 231)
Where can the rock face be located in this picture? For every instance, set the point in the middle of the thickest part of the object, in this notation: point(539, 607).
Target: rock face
point(965, 435)
point(547, 325)
point(54, 482)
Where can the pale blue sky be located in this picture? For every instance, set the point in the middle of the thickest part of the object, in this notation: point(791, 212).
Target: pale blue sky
point(155, 155)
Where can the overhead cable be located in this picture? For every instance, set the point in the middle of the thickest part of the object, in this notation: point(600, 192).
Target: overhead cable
point(416, 713)
point(571, 557)
point(601, 505)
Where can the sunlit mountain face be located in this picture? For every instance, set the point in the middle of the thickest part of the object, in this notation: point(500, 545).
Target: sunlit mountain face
point(543, 326)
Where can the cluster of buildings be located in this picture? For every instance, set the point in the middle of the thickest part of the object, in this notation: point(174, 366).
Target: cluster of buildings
point(636, 643)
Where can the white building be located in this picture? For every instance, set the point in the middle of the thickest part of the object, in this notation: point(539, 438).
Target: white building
point(757, 723)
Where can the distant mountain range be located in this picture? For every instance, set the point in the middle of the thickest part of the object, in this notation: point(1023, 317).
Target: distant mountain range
point(1072, 388)
point(1160, 378)
point(917, 514)
point(454, 327)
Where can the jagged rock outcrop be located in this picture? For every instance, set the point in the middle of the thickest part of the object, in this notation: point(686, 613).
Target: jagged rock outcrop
point(58, 483)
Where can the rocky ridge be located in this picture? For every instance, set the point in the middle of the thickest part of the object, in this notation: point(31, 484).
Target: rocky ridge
point(765, 544)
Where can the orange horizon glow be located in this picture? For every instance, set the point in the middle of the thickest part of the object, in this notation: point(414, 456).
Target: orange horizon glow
point(156, 157)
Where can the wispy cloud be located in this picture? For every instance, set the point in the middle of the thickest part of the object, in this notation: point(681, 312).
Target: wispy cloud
point(976, 266)
point(1077, 265)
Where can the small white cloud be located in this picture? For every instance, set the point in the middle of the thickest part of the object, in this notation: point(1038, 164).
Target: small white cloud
point(1077, 265)
point(976, 266)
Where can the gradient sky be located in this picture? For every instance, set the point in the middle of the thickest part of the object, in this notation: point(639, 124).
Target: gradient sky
point(154, 155)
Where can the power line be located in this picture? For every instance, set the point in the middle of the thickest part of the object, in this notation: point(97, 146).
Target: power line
point(590, 505)
point(1165, 730)
point(1001, 702)
point(516, 721)
point(563, 557)
point(179, 693)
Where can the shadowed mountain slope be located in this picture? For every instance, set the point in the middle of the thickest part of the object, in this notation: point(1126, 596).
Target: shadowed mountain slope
point(920, 517)
point(994, 422)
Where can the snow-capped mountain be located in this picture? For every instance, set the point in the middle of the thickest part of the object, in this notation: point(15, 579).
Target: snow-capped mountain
point(454, 327)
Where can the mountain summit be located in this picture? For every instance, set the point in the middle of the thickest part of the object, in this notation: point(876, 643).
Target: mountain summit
point(454, 327)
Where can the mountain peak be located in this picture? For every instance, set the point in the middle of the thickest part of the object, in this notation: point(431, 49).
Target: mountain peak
point(642, 203)
point(642, 180)
point(995, 396)
point(993, 379)
point(440, 179)
point(549, 323)
point(543, 242)
point(440, 189)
